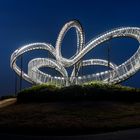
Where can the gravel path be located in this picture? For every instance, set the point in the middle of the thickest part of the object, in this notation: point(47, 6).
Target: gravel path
point(7, 102)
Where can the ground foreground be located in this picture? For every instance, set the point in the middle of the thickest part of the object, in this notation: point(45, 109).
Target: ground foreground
point(69, 118)
point(131, 134)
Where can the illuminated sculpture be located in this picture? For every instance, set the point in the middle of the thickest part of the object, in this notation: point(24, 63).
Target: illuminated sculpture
point(116, 74)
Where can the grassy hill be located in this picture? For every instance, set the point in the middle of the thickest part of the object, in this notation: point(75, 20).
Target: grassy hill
point(85, 109)
point(94, 91)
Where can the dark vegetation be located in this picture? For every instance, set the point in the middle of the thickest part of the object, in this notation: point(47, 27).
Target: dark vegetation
point(79, 109)
point(94, 91)
point(69, 118)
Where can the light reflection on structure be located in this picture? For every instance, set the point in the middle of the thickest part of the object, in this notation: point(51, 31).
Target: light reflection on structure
point(115, 75)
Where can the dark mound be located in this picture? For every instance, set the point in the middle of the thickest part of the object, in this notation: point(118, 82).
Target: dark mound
point(89, 92)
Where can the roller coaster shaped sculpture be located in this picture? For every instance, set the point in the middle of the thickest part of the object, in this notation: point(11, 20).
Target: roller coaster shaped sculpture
point(116, 73)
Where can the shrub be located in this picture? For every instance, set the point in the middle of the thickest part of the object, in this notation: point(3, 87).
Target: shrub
point(94, 91)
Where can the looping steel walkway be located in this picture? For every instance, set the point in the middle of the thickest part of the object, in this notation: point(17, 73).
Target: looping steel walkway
point(59, 63)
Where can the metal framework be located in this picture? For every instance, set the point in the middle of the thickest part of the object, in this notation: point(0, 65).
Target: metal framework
point(115, 75)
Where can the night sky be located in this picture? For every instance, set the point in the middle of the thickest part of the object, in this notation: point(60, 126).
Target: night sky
point(28, 21)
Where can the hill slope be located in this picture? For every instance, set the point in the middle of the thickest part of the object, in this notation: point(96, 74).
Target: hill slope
point(94, 91)
point(86, 109)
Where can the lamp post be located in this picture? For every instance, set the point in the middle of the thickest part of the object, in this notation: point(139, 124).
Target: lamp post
point(108, 57)
point(16, 84)
point(21, 66)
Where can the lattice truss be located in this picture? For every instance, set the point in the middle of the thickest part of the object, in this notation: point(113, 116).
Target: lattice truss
point(116, 73)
